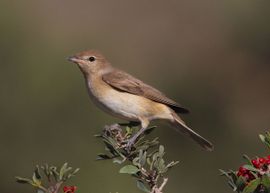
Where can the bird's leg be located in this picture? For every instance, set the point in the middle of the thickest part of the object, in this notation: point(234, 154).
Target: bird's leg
point(132, 140)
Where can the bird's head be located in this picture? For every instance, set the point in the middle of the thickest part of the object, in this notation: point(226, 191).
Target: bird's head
point(90, 62)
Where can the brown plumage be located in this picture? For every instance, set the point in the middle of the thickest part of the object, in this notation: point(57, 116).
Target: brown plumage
point(127, 83)
point(126, 97)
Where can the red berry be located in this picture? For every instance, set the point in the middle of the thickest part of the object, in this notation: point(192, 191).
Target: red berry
point(69, 189)
point(242, 169)
point(255, 163)
point(268, 157)
point(246, 176)
point(251, 177)
point(262, 160)
point(239, 173)
point(65, 188)
point(267, 162)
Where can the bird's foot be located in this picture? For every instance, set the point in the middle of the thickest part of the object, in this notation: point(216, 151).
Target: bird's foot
point(130, 144)
point(133, 139)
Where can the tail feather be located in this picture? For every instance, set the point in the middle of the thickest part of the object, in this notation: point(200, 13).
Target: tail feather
point(180, 126)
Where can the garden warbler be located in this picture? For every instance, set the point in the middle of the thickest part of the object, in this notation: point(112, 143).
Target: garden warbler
point(127, 97)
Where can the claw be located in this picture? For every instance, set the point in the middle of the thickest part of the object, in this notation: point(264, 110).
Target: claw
point(132, 141)
point(130, 144)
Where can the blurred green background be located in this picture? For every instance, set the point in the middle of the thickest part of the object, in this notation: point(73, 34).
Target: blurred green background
point(211, 56)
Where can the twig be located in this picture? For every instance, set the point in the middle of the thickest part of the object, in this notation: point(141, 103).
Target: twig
point(145, 160)
point(155, 189)
point(55, 188)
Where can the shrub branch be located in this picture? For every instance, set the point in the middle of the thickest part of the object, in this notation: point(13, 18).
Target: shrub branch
point(144, 161)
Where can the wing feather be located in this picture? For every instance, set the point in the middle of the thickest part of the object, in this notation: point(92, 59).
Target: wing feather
point(127, 83)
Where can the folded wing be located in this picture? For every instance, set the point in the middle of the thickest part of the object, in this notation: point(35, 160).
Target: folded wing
point(126, 83)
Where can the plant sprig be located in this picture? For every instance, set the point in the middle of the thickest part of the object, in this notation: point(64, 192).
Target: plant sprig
point(254, 176)
point(146, 157)
point(48, 179)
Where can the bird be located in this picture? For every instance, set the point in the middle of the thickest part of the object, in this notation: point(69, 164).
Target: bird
point(126, 97)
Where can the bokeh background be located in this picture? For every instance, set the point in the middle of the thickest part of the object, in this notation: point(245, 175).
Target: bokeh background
point(211, 56)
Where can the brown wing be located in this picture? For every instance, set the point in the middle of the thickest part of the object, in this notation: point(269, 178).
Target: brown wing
point(127, 83)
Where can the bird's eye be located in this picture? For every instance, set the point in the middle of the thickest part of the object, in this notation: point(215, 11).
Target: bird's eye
point(91, 58)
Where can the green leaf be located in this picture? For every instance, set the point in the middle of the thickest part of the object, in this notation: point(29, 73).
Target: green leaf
point(161, 166)
point(267, 135)
point(251, 168)
point(23, 180)
point(265, 138)
point(110, 146)
point(148, 160)
point(128, 130)
point(46, 170)
point(66, 172)
point(240, 183)
point(248, 159)
point(62, 171)
point(142, 187)
point(142, 147)
point(76, 171)
point(251, 187)
point(37, 182)
point(266, 182)
point(53, 171)
point(37, 172)
point(173, 163)
point(232, 185)
point(140, 154)
point(129, 169)
point(143, 159)
point(233, 175)
point(161, 151)
point(155, 156)
point(118, 161)
point(146, 144)
point(135, 161)
point(262, 137)
point(102, 157)
point(223, 173)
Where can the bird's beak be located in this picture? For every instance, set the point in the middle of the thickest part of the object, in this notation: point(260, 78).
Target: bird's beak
point(74, 59)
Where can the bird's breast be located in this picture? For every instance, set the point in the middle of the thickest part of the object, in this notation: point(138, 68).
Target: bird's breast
point(122, 104)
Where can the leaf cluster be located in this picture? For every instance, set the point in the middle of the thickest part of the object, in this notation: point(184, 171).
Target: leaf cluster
point(145, 159)
point(48, 179)
point(265, 139)
point(240, 184)
point(261, 178)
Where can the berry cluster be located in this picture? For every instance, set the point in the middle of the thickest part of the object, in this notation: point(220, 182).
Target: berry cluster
point(69, 189)
point(245, 173)
point(261, 164)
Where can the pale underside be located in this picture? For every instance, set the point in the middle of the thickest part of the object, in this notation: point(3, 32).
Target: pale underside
point(126, 105)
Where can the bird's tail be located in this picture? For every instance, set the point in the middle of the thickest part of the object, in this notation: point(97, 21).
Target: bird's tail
point(180, 126)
